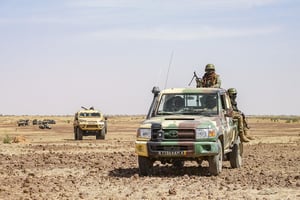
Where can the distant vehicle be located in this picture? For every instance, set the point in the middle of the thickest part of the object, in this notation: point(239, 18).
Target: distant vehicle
point(49, 121)
point(45, 121)
point(44, 126)
point(89, 122)
point(189, 124)
point(34, 122)
point(23, 122)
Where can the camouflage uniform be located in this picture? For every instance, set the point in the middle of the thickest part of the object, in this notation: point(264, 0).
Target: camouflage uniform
point(210, 78)
point(240, 117)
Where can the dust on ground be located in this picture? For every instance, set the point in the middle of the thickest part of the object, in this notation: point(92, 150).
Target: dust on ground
point(50, 164)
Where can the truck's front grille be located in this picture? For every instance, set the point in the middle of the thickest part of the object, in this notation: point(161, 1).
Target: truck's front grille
point(178, 134)
point(92, 126)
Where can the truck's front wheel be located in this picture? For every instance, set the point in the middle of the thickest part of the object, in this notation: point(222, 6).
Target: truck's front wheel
point(75, 134)
point(145, 165)
point(79, 134)
point(100, 134)
point(215, 162)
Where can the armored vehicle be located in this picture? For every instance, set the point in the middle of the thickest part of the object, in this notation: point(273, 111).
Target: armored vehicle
point(189, 124)
point(89, 122)
point(23, 122)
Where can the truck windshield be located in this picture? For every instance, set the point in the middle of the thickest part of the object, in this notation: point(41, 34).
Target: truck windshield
point(188, 104)
point(86, 114)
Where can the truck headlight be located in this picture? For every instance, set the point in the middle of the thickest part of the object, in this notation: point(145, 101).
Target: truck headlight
point(100, 123)
point(144, 133)
point(205, 133)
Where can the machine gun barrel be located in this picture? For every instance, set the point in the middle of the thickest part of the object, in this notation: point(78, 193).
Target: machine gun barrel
point(194, 76)
point(198, 80)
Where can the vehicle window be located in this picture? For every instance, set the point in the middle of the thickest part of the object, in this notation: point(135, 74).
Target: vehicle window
point(95, 114)
point(188, 104)
point(83, 114)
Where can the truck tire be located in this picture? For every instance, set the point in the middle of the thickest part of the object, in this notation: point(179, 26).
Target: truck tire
point(100, 135)
point(79, 134)
point(235, 157)
point(75, 134)
point(145, 165)
point(215, 162)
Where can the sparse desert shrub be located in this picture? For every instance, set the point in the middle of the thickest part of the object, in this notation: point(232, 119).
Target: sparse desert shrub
point(288, 121)
point(295, 120)
point(7, 140)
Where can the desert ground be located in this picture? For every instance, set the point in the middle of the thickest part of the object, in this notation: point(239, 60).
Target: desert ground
point(49, 164)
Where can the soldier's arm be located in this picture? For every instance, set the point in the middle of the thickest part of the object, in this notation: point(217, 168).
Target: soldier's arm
point(218, 83)
point(198, 82)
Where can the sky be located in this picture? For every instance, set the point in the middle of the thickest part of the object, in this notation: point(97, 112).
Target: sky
point(59, 55)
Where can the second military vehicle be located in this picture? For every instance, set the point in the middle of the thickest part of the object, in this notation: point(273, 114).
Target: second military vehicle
point(23, 122)
point(89, 122)
point(189, 124)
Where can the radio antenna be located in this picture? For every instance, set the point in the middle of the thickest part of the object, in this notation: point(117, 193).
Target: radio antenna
point(170, 62)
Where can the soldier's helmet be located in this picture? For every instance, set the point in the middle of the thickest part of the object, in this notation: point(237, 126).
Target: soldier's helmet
point(232, 91)
point(210, 67)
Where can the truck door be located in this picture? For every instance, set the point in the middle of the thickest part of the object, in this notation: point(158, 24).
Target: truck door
point(227, 121)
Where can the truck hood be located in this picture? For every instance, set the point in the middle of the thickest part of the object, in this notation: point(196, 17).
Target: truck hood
point(183, 121)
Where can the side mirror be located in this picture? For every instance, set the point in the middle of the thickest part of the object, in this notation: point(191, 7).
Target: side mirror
point(155, 90)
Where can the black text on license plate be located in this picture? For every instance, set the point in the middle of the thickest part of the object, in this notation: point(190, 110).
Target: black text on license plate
point(171, 153)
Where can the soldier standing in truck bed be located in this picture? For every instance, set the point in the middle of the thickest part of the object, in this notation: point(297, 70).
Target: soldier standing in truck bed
point(210, 78)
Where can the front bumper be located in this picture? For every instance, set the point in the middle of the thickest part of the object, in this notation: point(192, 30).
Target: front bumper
point(192, 149)
point(91, 127)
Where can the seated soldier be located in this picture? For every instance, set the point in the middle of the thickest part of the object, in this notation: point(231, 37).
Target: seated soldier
point(239, 116)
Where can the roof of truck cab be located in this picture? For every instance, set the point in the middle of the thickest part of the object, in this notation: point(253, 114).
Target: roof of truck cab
point(89, 111)
point(192, 90)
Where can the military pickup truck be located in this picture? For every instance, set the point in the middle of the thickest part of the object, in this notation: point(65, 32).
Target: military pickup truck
point(189, 124)
point(89, 122)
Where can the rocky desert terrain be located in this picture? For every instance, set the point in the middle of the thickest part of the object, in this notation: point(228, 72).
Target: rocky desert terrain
point(49, 164)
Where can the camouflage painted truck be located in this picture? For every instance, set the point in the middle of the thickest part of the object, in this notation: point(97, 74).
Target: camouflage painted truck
point(89, 122)
point(185, 124)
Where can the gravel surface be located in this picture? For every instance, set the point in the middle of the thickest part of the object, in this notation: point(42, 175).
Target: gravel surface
point(50, 164)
